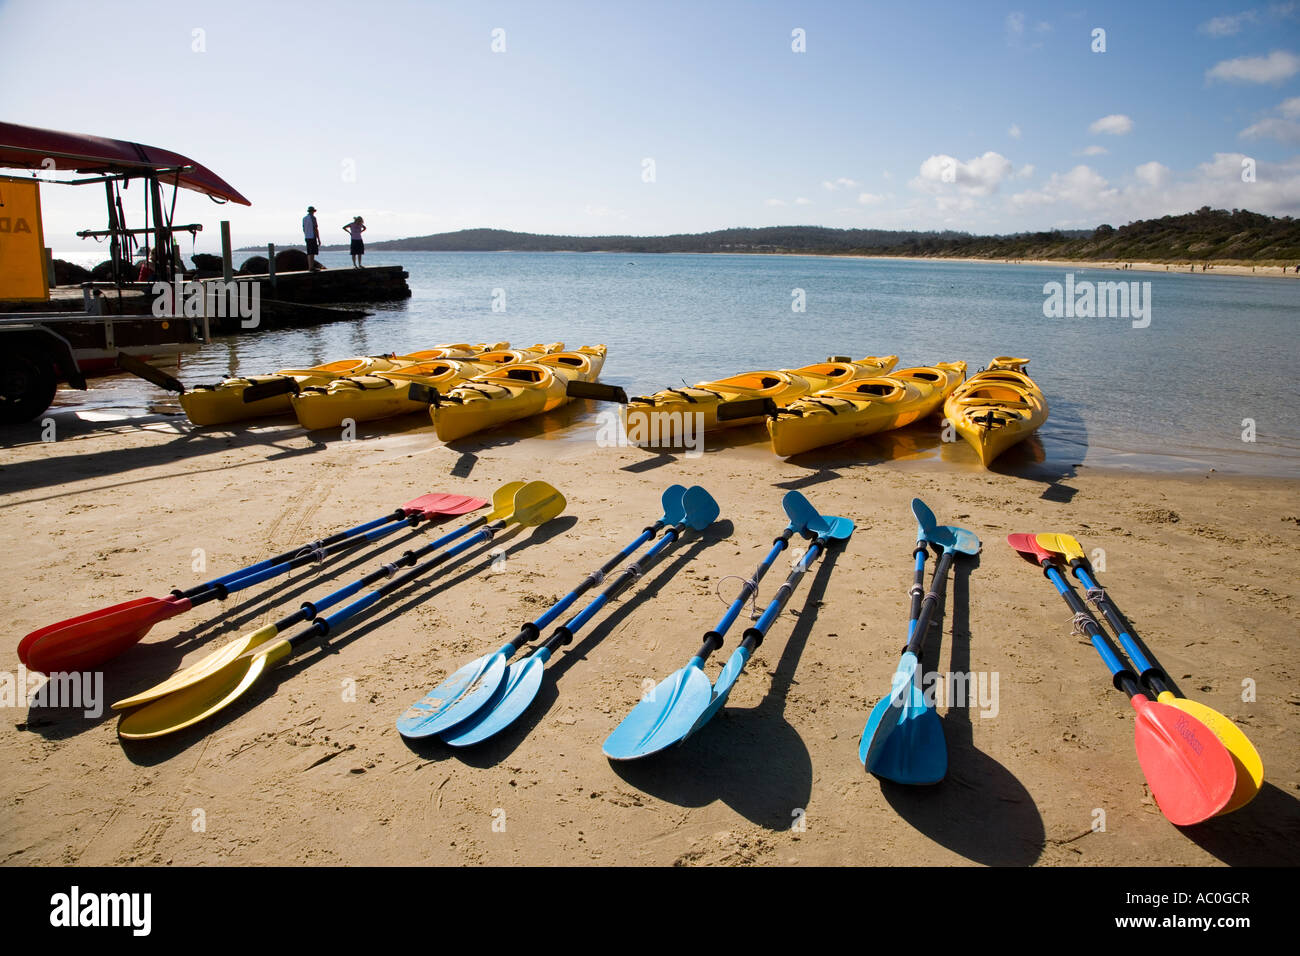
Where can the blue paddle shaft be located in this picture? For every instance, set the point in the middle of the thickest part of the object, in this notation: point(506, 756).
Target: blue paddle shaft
point(1122, 677)
point(918, 579)
point(1147, 670)
point(589, 582)
point(754, 635)
point(921, 626)
point(713, 640)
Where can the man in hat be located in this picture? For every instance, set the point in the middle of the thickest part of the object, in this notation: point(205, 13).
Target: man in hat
point(311, 234)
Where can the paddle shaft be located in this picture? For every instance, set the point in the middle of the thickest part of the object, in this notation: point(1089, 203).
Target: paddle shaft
point(1123, 677)
point(918, 586)
point(566, 631)
point(920, 626)
point(1149, 672)
point(754, 635)
point(533, 629)
point(713, 639)
point(222, 591)
point(311, 546)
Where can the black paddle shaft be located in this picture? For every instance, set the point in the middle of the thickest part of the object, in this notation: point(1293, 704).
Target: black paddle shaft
point(918, 580)
point(939, 581)
point(1126, 680)
point(306, 554)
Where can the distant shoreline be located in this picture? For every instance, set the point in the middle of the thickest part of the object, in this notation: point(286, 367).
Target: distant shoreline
point(1221, 267)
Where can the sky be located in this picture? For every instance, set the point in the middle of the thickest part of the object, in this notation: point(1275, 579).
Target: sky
point(666, 117)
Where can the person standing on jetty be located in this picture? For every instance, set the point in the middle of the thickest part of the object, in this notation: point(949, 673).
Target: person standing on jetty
point(311, 235)
point(354, 229)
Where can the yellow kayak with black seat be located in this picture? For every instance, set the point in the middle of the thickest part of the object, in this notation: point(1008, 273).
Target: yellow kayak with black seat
point(223, 403)
point(863, 407)
point(662, 412)
point(368, 398)
point(997, 408)
point(515, 391)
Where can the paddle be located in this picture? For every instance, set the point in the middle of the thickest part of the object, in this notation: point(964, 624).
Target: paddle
point(83, 642)
point(286, 385)
point(503, 504)
point(903, 737)
point(1245, 758)
point(142, 369)
point(523, 679)
point(828, 530)
point(596, 392)
point(534, 504)
point(1188, 769)
point(668, 713)
point(747, 408)
point(469, 688)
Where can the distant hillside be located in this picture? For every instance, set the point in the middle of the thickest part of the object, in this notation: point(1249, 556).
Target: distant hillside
point(1207, 234)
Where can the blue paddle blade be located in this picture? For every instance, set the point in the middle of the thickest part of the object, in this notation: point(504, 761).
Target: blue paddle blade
point(665, 717)
point(457, 698)
point(838, 529)
point(523, 680)
point(674, 509)
point(722, 686)
point(903, 740)
point(963, 541)
point(801, 513)
point(925, 519)
point(701, 510)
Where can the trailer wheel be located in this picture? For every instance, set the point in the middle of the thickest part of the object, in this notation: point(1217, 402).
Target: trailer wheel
point(27, 386)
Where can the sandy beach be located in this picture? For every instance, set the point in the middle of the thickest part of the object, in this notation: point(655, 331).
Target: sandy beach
point(308, 769)
point(1121, 265)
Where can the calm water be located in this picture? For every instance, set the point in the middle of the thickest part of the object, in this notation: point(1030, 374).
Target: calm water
point(1219, 349)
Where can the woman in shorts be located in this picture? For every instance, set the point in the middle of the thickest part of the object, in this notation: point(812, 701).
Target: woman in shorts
point(354, 229)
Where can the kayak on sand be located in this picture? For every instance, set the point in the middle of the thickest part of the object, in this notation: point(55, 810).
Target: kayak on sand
point(997, 408)
point(864, 407)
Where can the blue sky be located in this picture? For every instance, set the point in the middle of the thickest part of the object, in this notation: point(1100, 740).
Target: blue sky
point(986, 117)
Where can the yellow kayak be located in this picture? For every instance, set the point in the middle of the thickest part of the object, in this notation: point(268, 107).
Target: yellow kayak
point(224, 402)
point(661, 412)
point(512, 392)
point(997, 408)
point(368, 398)
point(863, 407)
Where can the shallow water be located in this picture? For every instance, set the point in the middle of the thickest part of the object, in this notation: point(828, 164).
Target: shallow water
point(1175, 396)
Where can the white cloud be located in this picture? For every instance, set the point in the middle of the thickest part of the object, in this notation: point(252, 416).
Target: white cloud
point(1082, 187)
point(842, 183)
point(1229, 25)
point(1095, 151)
point(1026, 171)
point(1015, 25)
point(1116, 124)
point(975, 177)
point(1290, 108)
point(801, 201)
point(1284, 128)
point(1277, 66)
point(1152, 173)
point(773, 202)
point(1014, 131)
point(870, 199)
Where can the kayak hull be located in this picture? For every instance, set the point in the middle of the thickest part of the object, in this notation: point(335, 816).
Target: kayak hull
point(513, 392)
point(663, 413)
point(369, 398)
point(997, 409)
point(864, 407)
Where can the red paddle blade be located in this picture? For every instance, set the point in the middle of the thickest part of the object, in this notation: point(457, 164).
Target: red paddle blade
point(1190, 772)
point(1029, 548)
point(440, 504)
point(82, 643)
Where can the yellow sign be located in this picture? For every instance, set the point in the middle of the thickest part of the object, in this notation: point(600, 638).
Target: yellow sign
point(22, 244)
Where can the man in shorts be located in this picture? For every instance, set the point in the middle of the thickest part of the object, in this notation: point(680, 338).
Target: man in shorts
point(311, 235)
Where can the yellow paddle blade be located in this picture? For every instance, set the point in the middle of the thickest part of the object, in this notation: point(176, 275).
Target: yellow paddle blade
point(1064, 544)
point(1245, 758)
point(503, 501)
point(189, 705)
point(202, 668)
point(537, 503)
